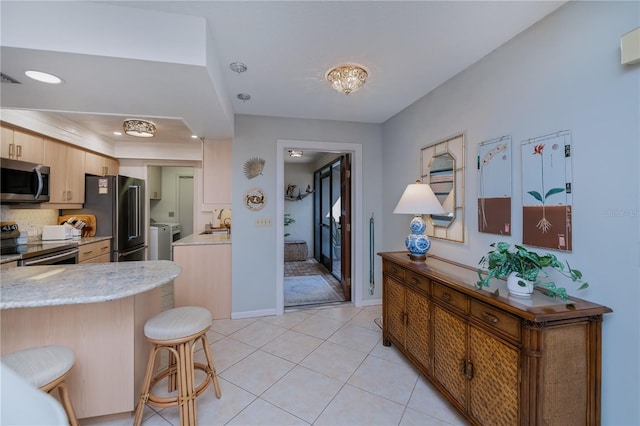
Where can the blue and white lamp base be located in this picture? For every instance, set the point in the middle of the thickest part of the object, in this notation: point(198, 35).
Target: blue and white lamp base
point(417, 243)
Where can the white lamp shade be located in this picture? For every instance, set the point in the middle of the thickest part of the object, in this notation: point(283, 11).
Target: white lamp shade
point(418, 198)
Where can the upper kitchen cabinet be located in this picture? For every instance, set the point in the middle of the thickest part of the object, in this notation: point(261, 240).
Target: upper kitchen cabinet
point(67, 165)
point(100, 165)
point(154, 180)
point(216, 169)
point(19, 145)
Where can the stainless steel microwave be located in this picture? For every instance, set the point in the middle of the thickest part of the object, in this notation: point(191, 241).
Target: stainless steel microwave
point(23, 182)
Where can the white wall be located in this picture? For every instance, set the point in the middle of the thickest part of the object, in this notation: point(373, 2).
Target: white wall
point(254, 249)
point(563, 73)
point(300, 210)
point(160, 209)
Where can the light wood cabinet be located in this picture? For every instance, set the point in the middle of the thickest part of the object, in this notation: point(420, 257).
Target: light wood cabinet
point(408, 316)
point(98, 252)
point(499, 360)
point(67, 165)
point(19, 145)
point(8, 265)
point(100, 165)
point(216, 170)
point(205, 280)
point(154, 175)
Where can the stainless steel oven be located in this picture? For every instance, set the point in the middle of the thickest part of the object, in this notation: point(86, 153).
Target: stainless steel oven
point(50, 256)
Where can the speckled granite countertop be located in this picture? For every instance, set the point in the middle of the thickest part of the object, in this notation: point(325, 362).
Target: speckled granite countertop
point(35, 286)
point(197, 239)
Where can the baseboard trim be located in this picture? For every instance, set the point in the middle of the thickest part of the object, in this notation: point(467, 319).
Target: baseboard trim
point(253, 314)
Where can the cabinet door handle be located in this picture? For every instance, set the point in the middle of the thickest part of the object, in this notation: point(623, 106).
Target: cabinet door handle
point(490, 318)
point(405, 318)
point(446, 297)
point(467, 369)
point(12, 149)
point(87, 252)
point(18, 150)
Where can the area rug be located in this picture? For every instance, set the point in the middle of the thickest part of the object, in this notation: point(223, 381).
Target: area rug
point(308, 290)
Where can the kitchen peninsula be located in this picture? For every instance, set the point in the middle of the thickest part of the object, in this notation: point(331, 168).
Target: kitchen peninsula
point(99, 311)
point(206, 273)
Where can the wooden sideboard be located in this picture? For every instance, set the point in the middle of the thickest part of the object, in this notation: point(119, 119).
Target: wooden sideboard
point(500, 360)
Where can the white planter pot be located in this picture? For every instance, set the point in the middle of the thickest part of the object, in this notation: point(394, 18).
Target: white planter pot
point(516, 289)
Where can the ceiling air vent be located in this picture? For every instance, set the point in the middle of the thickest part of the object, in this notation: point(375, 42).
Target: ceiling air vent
point(7, 79)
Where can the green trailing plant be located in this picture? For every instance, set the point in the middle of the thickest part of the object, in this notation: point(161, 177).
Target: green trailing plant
point(288, 220)
point(503, 260)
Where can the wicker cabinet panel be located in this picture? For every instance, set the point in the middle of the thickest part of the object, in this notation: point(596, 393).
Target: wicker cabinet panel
point(494, 380)
point(450, 353)
point(394, 309)
point(566, 376)
point(417, 332)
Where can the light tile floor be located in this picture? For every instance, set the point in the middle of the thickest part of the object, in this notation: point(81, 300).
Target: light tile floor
point(322, 366)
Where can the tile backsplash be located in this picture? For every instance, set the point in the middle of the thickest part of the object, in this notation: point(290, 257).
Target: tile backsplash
point(30, 220)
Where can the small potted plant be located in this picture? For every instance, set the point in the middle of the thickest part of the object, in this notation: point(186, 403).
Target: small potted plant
point(288, 220)
point(522, 268)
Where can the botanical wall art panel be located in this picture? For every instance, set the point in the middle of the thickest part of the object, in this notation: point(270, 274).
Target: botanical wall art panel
point(494, 186)
point(546, 191)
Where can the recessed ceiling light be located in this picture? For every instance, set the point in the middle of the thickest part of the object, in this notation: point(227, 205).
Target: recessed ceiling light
point(194, 136)
point(43, 77)
point(244, 96)
point(117, 133)
point(238, 67)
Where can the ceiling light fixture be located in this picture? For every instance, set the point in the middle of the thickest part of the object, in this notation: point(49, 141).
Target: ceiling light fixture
point(244, 96)
point(295, 153)
point(238, 67)
point(139, 128)
point(347, 78)
point(43, 77)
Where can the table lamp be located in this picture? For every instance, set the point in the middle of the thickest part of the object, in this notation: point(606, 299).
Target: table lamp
point(418, 199)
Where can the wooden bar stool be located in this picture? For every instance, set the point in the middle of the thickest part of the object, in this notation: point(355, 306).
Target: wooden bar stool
point(45, 367)
point(177, 331)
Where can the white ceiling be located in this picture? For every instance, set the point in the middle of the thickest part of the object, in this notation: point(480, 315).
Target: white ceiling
point(409, 49)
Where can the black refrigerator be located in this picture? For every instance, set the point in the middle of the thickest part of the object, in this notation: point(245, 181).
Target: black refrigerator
point(118, 204)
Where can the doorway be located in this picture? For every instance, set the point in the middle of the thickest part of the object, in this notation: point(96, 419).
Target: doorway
point(353, 249)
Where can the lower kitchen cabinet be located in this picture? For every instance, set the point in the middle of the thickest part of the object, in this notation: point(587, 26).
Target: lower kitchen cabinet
point(205, 279)
point(98, 252)
point(499, 360)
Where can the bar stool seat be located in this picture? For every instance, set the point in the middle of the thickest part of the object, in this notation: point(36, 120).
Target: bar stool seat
point(177, 331)
point(45, 367)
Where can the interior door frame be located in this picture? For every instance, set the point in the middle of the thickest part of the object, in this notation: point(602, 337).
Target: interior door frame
point(357, 253)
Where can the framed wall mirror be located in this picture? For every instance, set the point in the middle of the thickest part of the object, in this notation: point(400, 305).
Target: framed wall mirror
point(443, 169)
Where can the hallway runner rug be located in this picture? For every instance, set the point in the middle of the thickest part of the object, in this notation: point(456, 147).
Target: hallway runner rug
point(308, 290)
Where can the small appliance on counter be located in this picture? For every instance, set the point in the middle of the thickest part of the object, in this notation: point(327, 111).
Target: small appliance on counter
point(57, 232)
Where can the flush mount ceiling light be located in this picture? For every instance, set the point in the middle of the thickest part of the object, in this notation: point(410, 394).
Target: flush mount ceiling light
point(139, 128)
point(295, 153)
point(43, 77)
point(347, 78)
point(244, 96)
point(238, 67)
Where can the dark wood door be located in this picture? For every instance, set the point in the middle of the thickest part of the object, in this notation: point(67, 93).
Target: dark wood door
point(345, 226)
